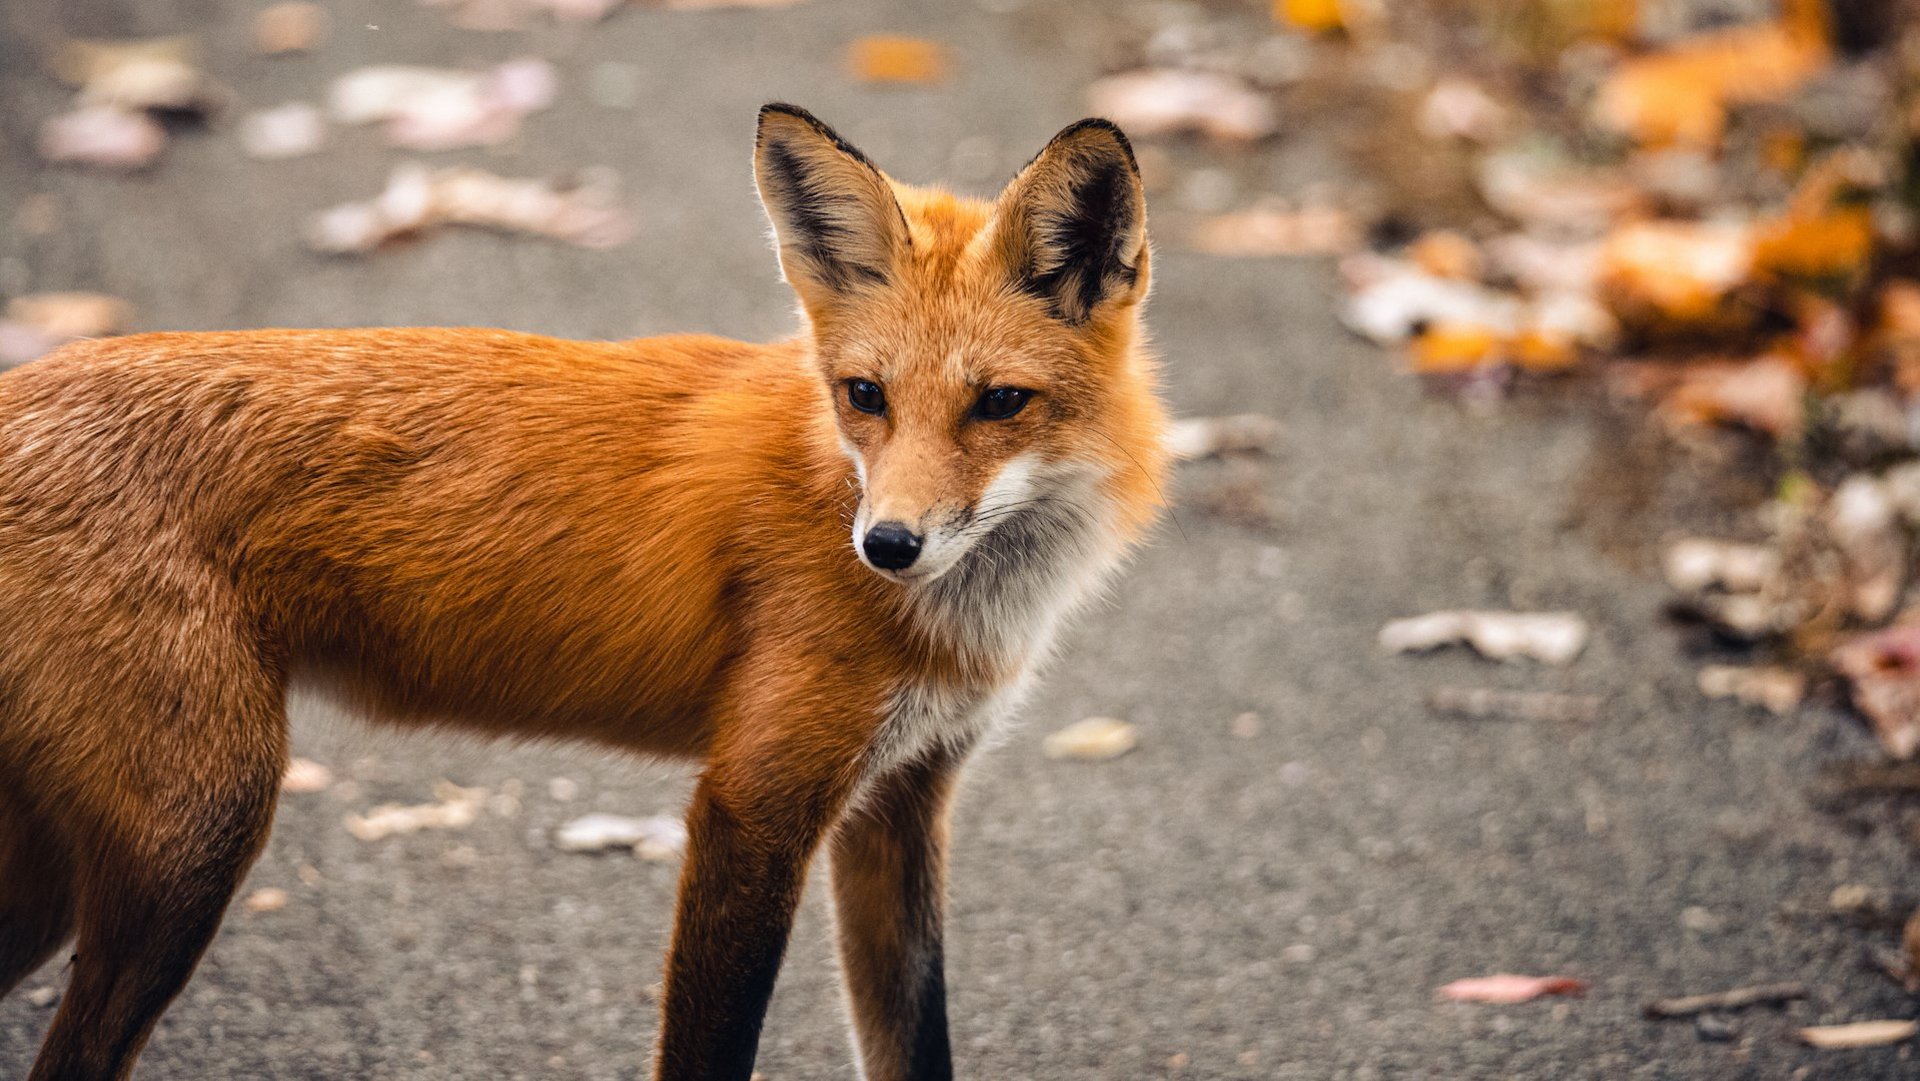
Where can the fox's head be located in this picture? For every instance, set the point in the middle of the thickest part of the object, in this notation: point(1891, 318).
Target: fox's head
point(982, 360)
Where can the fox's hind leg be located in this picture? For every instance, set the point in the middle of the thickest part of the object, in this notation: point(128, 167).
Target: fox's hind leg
point(36, 890)
point(168, 824)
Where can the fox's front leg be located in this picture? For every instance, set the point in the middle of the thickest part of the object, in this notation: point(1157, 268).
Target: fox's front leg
point(759, 813)
point(889, 886)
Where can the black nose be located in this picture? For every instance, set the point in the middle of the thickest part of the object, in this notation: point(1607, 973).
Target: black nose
point(890, 546)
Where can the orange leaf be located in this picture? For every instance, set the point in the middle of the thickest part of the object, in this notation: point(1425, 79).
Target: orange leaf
point(1680, 95)
point(1446, 348)
point(1540, 351)
point(887, 58)
point(1674, 271)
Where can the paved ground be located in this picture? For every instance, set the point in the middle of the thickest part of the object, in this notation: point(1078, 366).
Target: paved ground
point(1210, 906)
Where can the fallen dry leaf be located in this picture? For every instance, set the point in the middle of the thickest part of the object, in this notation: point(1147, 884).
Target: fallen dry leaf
point(1543, 265)
point(1858, 1034)
point(103, 135)
point(456, 808)
point(151, 73)
point(1094, 739)
point(1883, 668)
point(1864, 523)
point(443, 109)
point(1739, 998)
point(583, 211)
point(1696, 564)
point(654, 838)
point(1168, 101)
point(1554, 196)
point(1767, 395)
point(70, 315)
point(287, 131)
point(1208, 437)
point(38, 323)
point(503, 15)
point(293, 26)
point(267, 899)
point(1551, 637)
point(1391, 299)
point(893, 58)
point(1674, 273)
point(306, 775)
point(1507, 988)
point(1778, 690)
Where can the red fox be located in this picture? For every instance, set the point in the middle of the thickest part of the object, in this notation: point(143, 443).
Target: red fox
point(640, 543)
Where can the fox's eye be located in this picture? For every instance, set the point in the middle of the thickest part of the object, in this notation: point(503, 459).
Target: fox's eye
point(1001, 403)
point(865, 396)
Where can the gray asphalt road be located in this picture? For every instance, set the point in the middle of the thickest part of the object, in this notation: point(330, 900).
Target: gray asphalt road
point(1210, 906)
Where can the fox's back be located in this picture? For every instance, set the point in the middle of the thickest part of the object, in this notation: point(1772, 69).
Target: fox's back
point(435, 519)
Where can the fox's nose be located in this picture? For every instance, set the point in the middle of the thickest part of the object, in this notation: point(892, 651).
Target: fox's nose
point(891, 546)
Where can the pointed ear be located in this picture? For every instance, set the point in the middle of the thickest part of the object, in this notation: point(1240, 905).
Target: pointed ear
point(1072, 227)
point(834, 215)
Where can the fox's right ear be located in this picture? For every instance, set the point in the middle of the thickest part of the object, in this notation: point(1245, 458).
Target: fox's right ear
point(837, 223)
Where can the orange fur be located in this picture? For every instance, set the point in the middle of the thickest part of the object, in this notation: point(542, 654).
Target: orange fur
point(643, 544)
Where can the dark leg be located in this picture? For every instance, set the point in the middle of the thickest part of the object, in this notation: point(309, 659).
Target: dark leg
point(752, 832)
point(889, 888)
point(36, 893)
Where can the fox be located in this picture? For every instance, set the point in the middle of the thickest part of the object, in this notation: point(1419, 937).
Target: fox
point(823, 570)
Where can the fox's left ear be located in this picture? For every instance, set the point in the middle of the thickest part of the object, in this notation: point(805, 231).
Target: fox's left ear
point(1072, 227)
point(834, 215)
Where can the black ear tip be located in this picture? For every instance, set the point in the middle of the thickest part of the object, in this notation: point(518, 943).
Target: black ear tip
point(773, 109)
point(1095, 129)
point(781, 110)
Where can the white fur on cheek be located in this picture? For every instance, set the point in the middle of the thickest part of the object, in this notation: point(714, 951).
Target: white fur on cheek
point(859, 464)
point(1029, 563)
point(947, 543)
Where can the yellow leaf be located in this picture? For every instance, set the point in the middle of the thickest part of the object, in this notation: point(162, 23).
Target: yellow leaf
point(1318, 16)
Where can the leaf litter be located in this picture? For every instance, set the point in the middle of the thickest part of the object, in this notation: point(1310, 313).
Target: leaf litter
point(1713, 218)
